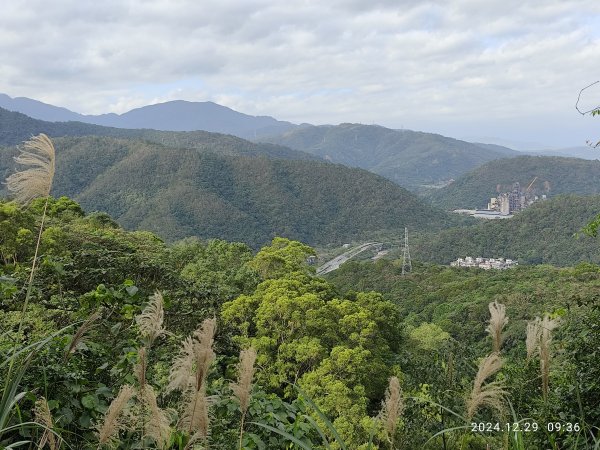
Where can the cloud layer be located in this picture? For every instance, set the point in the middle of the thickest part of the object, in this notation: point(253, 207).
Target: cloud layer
point(508, 68)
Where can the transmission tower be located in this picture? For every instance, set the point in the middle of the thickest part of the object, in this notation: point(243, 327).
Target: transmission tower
point(406, 263)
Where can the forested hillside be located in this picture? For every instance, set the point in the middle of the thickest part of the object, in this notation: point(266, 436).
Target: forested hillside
point(548, 232)
point(555, 175)
point(411, 159)
point(121, 337)
point(16, 127)
point(185, 192)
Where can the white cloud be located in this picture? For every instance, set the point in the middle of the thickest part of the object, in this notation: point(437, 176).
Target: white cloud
point(454, 64)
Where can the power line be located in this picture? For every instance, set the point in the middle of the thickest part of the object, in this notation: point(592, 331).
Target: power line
point(406, 263)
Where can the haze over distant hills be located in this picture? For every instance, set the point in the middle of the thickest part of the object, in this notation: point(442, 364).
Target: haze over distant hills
point(16, 127)
point(409, 158)
point(414, 160)
point(176, 115)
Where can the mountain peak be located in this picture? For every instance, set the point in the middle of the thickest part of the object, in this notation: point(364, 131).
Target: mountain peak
point(174, 115)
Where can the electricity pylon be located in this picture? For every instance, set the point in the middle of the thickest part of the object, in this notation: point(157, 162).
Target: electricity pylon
point(406, 263)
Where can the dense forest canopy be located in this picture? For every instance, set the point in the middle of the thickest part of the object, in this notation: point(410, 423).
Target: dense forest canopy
point(338, 340)
point(125, 339)
point(177, 192)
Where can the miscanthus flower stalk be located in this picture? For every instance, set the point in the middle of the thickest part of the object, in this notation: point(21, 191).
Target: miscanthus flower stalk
point(242, 389)
point(391, 409)
point(37, 156)
point(490, 394)
point(498, 320)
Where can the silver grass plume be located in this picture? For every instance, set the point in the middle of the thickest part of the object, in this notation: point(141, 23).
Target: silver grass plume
point(44, 417)
point(108, 431)
point(490, 394)
point(203, 351)
point(36, 181)
point(547, 326)
point(243, 387)
point(181, 376)
point(534, 330)
point(150, 320)
point(392, 408)
point(79, 335)
point(188, 375)
point(498, 320)
point(196, 353)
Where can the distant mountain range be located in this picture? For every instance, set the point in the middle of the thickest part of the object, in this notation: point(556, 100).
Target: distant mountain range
point(176, 115)
point(555, 175)
point(415, 160)
point(16, 128)
point(411, 159)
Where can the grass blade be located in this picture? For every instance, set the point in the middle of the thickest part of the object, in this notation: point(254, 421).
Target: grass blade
point(285, 434)
point(322, 416)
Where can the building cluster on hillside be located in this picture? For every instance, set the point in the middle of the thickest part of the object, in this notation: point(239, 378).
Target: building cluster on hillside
point(484, 263)
point(511, 202)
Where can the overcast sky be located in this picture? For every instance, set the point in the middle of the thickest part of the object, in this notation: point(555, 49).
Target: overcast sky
point(508, 69)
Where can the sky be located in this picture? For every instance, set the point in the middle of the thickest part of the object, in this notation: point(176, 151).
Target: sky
point(475, 69)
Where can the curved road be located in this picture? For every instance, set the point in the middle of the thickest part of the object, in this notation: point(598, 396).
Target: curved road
point(336, 262)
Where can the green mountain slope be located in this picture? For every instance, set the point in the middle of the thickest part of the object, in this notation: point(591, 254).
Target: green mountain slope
point(409, 158)
point(184, 192)
point(457, 299)
point(16, 127)
point(543, 233)
point(556, 175)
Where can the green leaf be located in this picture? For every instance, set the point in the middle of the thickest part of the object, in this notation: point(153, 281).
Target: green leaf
point(132, 290)
point(285, 434)
point(90, 401)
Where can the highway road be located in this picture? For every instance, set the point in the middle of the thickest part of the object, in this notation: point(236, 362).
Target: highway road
point(336, 262)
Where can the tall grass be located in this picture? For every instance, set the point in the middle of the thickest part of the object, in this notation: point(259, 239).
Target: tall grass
point(37, 156)
point(242, 389)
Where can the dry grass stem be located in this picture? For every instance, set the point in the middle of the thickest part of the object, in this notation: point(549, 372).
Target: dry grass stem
point(498, 320)
point(109, 429)
point(547, 326)
point(534, 331)
point(195, 419)
point(392, 408)
point(36, 181)
point(79, 335)
point(140, 368)
point(490, 394)
point(150, 321)
point(157, 426)
point(243, 388)
point(44, 417)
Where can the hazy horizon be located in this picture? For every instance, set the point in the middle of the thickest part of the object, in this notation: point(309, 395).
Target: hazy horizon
point(510, 70)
